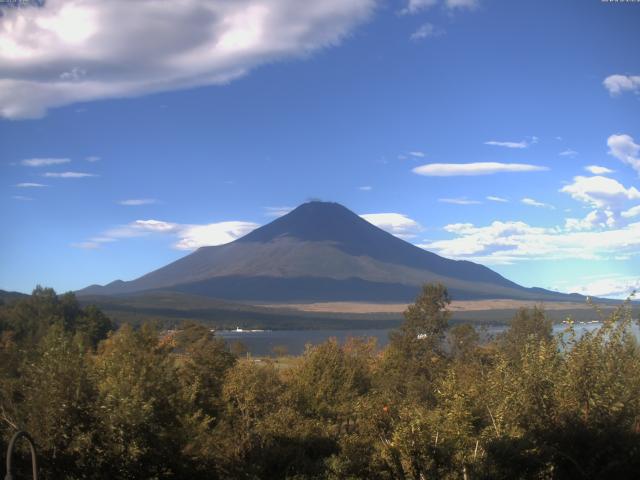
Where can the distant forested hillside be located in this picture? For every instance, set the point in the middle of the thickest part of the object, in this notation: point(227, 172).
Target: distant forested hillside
point(6, 297)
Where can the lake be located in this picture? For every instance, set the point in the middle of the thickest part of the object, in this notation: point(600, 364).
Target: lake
point(261, 343)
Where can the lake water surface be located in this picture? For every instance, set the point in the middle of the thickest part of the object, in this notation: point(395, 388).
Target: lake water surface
point(261, 343)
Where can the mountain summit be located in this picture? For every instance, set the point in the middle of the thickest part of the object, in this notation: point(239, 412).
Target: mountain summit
point(322, 251)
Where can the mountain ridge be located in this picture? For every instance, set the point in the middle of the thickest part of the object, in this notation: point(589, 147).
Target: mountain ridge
point(322, 251)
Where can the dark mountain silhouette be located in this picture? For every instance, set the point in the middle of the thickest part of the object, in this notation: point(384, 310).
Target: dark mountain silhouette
point(322, 252)
point(9, 297)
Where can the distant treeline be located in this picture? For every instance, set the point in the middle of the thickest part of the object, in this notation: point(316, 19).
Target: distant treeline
point(138, 403)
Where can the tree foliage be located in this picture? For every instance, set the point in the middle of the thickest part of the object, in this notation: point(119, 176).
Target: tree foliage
point(436, 402)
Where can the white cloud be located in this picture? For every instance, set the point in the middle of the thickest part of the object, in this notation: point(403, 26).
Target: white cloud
point(624, 148)
point(534, 203)
point(608, 196)
point(568, 153)
point(595, 218)
point(196, 236)
point(86, 245)
point(426, 30)
point(474, 240)
point(415, 6)
point(597, 170)
point(30, 185)
point(43, 162)
point(72, 51)
point(189, 237)
point(397, 224)
point(477, 168)
point(459, 201)
point(68, 175)
point(600, 192)
point(509, 242)
point(92, 158)
point(414, 153)
point(156, 226)
point(632, 212)
point(138, 201)
point(366, 188)
point(521, 144)
point(73, 75)
point(614, 286)
point(493, 198)
point(462, 3)
point(277, 211)
point(617, 84)
point(22, 198)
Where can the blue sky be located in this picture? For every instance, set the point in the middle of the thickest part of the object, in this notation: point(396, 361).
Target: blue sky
point(502, 132)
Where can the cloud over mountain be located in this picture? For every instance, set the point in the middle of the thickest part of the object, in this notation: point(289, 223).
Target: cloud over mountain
point(80, 50)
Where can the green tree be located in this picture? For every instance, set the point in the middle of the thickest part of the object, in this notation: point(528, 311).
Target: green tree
point(57, 405)
point(528, 324)
point(463, 341)
point(205, 364)
point(329, 380)
point(415, 356)
point(93, 324)
point(138, 407)
point(31, 317)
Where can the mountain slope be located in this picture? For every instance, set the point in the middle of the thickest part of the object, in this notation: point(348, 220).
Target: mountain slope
point(321, 252)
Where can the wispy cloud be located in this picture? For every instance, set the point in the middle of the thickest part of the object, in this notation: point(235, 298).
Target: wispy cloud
point(21, 198)
point(459, 201)
point(521, 144)
point(414, 153)
point(568, 153)
point(86, 245)
point(44, 162)
point(534, 203)
point(187, 236)
point(597, 169)
point(427, 30)
point(415, 6)
point(92, 159)
point(618, 84)
point(68, 175)
point(396, 224)
point(632, 212)
point(477, 168)
point(461, 4)
point(134, 202)
point(366, 188)
point(277, 211)
point(493, 198)
point(624, 148)
point(209, 43)
point(30, 185)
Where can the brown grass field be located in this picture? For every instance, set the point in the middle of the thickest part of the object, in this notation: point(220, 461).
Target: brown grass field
point(459, 306)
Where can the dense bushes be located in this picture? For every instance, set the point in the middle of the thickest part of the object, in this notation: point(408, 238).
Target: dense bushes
point(137, 404)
